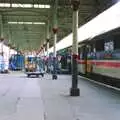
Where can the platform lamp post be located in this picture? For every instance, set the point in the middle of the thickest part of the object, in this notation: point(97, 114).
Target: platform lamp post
point(44, 55)
point(55, 31)
point(74, 91)
point(10, 37)
point(47, 42)
point(48, 47)
point(44, 46)
point(41, 50)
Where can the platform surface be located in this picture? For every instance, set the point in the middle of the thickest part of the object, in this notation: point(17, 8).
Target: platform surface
point(23, 98)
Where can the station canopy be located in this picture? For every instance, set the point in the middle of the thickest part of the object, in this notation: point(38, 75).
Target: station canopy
point(25, 22)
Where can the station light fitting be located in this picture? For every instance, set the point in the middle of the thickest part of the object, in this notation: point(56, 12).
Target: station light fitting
point(4, 5)
point(24, 5)
point(21, 5)
point(37, 23)
point(30, 23)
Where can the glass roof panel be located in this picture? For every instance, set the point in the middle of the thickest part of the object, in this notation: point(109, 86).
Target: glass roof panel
point(35, 23)
point(24, 5)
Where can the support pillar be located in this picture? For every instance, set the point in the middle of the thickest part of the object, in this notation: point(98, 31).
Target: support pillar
point(1, 27)
point(55, 40)
point(74, 91)
point(9, 38)
point(48, 47)
point(47, 56)
point(1, 34)
point(55, 30)
point(47, 42)
point(44, 46)
point(54, 56)
point(48, 38)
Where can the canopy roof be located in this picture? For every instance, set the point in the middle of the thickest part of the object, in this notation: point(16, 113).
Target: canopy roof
point(98, 26)
point(25, 21)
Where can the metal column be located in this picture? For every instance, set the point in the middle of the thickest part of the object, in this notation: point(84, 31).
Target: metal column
point(48, 37)
point(74, 91)
point(1, 34)
point(47, 55)
point(55, 30)
point(47, 42)
point(1, 27)
point(44, 46)
point(47, 47)
point(10, 38)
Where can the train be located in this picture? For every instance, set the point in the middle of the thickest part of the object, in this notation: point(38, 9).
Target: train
point(100, 58)
point(98, 47)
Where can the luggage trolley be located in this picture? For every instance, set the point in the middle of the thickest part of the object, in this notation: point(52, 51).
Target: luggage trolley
point(34, 66)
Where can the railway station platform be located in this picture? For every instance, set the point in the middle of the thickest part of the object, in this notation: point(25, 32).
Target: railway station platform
point(23, 98)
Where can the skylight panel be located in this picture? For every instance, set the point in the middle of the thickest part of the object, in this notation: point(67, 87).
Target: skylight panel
point(20, 22)
point(15, 5)
point(39, 23)
point(41, 6)
point(28, 22)
point(12, 22)
point(4, 5)
point(27, 5)
point(47, 6)
point(35, 23)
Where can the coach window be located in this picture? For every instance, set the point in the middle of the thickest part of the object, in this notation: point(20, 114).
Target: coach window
point(117, 42)
point(109, 46)
point(99, 45)
point(80, 52)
